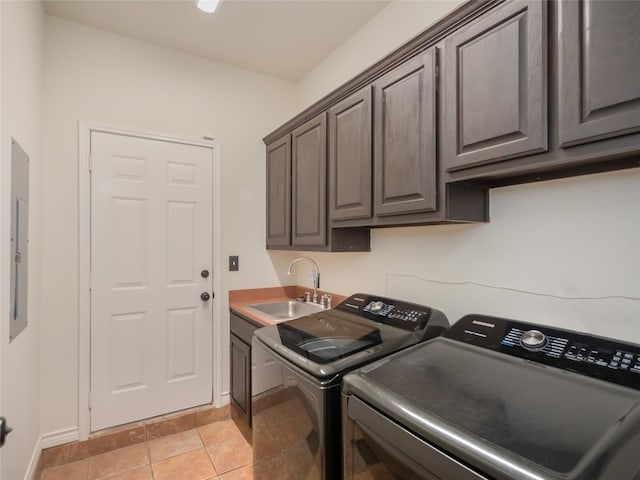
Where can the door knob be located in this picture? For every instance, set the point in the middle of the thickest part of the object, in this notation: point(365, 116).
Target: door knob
point(204, 273)
point(4, 430)
point(204, 296)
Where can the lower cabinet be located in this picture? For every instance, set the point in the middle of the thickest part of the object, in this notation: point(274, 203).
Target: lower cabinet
point(241, 332)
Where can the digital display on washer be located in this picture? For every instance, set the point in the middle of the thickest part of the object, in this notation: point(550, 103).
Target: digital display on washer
point(324, 339)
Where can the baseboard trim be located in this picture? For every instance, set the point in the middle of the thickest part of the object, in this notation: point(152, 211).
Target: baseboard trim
point(48, 440)
point(225, 399)
point(35, 460)
point(59, 437)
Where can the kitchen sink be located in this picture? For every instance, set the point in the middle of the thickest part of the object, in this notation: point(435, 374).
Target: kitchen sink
point(286, 309)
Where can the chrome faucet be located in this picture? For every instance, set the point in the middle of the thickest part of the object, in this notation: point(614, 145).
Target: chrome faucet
point(316, 275)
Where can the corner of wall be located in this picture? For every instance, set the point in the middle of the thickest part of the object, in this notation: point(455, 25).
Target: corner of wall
point(22, 44)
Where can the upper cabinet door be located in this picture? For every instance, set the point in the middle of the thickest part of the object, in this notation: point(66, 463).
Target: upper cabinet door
point(599, 70)
point(495, 86)
point(405, 138)
point(279, 192)
point(350, 157)
point(309, 195)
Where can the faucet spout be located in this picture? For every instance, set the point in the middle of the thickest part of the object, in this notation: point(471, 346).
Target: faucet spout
point(316, 275)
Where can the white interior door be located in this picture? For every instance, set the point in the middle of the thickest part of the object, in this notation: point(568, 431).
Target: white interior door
point(151, 237)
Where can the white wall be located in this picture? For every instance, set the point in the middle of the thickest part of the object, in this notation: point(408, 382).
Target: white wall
point(394, 25)
point(577, 237)
point(96, 76)
point(572, 238)
point(21, 103)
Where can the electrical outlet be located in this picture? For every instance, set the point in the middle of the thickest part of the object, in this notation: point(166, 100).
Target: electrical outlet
point(234, 263)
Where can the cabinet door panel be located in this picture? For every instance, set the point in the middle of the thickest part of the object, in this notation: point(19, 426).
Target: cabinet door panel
point(279, 193)
point(309, 166)
point(405, 146)
point(599, 71)
point(495, 87)
point(350, 157)
point(241, 375)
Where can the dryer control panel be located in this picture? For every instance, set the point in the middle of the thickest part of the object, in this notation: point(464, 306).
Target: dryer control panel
point(591, 355)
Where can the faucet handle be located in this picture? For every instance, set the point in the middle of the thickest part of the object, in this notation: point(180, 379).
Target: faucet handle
point(307, 297)
point(325, 300)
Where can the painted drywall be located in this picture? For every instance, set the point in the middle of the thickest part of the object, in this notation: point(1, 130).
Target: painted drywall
point(395, 24)
point(95, 76)
point(564, 253)
point(21, 104)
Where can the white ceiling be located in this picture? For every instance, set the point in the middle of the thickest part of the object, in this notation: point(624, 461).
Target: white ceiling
point(284, 39)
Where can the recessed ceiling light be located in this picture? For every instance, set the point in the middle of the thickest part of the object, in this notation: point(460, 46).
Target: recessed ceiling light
point(208, 6)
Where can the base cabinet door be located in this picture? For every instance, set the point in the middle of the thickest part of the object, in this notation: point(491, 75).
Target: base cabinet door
point(241, 376)
point(241, 333)
point(309, 181)
point(495, 87)
point(405, 138)
point(599, 69)
point(279, 193)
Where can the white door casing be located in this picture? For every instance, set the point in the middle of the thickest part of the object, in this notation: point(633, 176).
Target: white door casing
point(151, 236)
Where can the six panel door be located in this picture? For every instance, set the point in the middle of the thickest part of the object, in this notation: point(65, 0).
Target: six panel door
point(405, 138)
point(495, 87)
point(309, 178)
point(599, 70)
point(151, 235)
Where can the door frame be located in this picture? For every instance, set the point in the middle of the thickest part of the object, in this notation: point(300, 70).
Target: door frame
point(84, 261)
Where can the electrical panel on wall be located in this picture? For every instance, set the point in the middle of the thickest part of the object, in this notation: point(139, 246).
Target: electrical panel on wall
point(19, 239)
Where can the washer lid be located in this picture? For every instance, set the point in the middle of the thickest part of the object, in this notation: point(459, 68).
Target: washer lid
point(508, 417)
point(326, 339)
point(328, 343)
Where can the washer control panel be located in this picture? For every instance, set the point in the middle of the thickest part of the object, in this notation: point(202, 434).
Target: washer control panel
point(408, 316)
point(534, 341)
point(599, 357)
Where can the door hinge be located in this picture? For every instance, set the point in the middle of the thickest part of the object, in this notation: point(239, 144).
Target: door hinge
point(90, 162)
point(89, 400)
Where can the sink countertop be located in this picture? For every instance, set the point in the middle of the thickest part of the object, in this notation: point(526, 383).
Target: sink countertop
point(239, 300)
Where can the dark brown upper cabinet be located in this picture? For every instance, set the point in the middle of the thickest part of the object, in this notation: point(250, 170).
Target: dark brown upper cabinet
point(309, 180)
point(279, 192)
point(350, 157)
point(466, 106)
point(599, 70)
point(405, 138)
point(495, 86)
point(297, 194)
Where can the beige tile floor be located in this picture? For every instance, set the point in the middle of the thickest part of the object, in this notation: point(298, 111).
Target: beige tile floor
point(217, 451)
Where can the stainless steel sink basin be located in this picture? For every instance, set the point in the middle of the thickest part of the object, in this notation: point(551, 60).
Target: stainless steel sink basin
point(286, 310)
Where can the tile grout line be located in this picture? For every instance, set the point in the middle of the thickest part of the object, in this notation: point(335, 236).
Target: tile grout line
point(149, 461)
point(207, 452)
point(201, 416)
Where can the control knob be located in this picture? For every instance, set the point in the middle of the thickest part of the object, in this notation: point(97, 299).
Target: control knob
point(533, 339)
point(376, 306)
